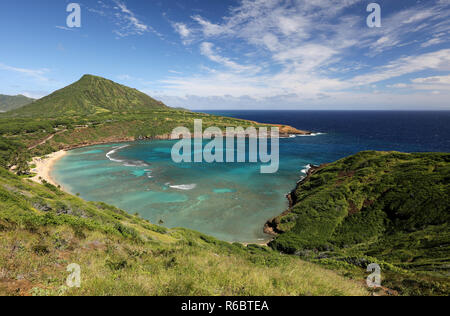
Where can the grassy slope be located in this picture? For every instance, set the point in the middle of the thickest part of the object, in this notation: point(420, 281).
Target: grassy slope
point(89, 95)
point(9, 102)
point(95, 110)
point(70, 132)
point(43, 230)
point(372, 188)
point(390, 208)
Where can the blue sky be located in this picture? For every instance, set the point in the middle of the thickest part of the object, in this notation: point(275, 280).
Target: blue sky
point(219, 54)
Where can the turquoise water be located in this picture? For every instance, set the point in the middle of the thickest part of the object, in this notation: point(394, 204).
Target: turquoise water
point(229, 201)
point(233, 201)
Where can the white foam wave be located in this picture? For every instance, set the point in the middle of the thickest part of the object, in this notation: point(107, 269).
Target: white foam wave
point(311, 135)
point(126, 163)
point(112, 152)
point(132, 163)
point(305, 171)
point(184, 187)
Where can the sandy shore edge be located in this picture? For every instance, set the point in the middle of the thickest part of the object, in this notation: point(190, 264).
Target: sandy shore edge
point(44, 167)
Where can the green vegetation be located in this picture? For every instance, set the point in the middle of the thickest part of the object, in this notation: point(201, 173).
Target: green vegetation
point(10, 102)
point(95, 110)
point(90, 95)
point(13, 153)
point(387, 208)
point(384, 207)
point(43, 230)
point(35, 137)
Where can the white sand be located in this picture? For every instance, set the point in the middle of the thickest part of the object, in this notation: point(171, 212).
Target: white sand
point(44, 167)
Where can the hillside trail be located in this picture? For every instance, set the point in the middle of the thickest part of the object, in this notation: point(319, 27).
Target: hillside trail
point(47, 139)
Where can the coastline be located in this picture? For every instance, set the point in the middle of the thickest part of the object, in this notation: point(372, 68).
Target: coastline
point(271, 227)
point(44, 167)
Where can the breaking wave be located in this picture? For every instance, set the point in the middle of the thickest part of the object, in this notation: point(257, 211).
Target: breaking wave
point(305, 171)
point(184, 187)
point(126, 163)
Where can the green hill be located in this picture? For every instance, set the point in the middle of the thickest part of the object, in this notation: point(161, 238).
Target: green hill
point(90, 95)
point(385, 207)
point(9, 102)
point(43, 230)
point(95, 110)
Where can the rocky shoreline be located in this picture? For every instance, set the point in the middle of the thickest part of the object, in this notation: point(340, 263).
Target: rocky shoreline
point(272, 226)
point(285, 132)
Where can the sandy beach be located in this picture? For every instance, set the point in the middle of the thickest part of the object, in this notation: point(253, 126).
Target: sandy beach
point(44, 167)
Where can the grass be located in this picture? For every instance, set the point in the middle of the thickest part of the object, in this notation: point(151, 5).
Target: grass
point(89, 95)
point(43, 230)
point(384, 207)
point(90, 111)
point(112, 266)
point(18, 134)
point(8, 103)
point(388, 208)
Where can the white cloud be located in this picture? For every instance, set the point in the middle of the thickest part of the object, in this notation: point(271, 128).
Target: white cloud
point(398, 86)
point(444, 80)
point(182, 29)
point(418, 16)
point(209, 29)
point(290, 25)
point(347, 101)
point(439, 60)
point(127, 21)
point(397, 28)
point(271, 42)
point(307, 57)
point(35, 94)
point(38, 74)
point(64, 28)
point(184, 32)
point(435, 83)
point(308, 52)
point(434, 41)
point(207, 49)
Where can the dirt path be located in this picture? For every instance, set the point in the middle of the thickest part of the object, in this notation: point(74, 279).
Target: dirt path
point(47, 139)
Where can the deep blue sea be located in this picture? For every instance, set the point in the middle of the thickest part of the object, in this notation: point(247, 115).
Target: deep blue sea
point(233, 201)
point(353, 131)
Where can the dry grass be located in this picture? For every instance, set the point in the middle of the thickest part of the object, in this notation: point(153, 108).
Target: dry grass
point(113, 266)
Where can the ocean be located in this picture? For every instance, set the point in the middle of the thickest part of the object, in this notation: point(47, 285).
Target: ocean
point(232, 201)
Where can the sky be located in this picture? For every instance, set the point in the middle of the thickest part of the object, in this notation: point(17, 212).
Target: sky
point(240, 54)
